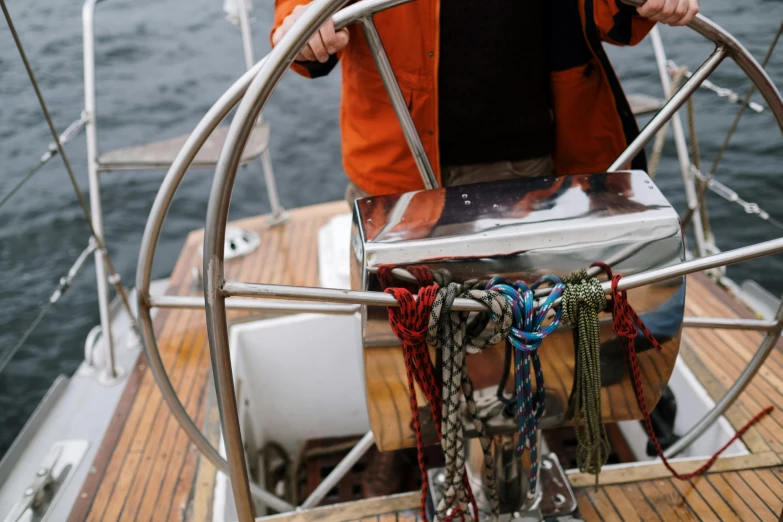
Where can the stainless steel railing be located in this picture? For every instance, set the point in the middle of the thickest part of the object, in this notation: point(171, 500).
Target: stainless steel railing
point(94, 168)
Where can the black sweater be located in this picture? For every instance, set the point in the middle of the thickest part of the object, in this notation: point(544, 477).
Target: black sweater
point(493, 81)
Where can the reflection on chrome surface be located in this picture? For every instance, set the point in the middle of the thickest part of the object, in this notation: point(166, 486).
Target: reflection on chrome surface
point(522, 229)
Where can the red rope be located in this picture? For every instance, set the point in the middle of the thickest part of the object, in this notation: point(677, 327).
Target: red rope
point(422, 274)
point(625, 322)
point(409, 323)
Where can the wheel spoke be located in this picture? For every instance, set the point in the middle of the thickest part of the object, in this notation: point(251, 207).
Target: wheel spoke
point(671, 107)
point(195, 303)
point(364, 297)
point(342, 469)
point(750, 371)
point(398, 102)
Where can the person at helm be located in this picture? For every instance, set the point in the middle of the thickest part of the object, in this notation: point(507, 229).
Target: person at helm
point(496, 88)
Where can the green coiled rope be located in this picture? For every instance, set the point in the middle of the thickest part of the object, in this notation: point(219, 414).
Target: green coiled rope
point(582, 301)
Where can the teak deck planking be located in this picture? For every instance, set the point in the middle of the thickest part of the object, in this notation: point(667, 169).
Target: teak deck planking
point(147, 469)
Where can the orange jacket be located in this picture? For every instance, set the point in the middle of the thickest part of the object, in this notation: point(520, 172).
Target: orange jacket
point(593, 119)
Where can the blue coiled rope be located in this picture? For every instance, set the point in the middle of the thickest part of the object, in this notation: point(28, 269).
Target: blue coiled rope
point(527, 333)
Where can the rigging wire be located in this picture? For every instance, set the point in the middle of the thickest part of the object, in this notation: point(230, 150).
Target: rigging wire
point(68, 134)
point(707, 182)
point(730, 195)
point(62, 287)
point(660, 136)
point(113, 278)
point(723, 92)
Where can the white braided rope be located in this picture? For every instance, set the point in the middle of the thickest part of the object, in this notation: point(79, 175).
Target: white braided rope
point(448, 331)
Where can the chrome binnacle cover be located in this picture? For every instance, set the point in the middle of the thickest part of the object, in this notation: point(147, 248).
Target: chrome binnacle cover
point(522, 229)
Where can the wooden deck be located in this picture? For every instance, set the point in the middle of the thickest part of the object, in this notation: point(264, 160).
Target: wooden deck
point(146, 468)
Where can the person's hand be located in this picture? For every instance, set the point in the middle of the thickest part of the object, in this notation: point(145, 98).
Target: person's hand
point(324, 43)
point(671, 12)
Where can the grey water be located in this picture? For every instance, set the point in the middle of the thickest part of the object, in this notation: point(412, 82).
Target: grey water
point(161, 64)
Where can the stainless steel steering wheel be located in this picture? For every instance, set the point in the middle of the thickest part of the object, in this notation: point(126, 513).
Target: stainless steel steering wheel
point(254, 89)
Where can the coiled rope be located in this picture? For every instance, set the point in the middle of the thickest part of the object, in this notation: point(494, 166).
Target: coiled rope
point(626, 324)
point(583, 300)
point(448, 331)
point(430, 319)
point(527, 334)
point(409, 323)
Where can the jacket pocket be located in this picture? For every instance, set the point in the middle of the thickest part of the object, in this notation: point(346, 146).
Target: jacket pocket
point(588, 131)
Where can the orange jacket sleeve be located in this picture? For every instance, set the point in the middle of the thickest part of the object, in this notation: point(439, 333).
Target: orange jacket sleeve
point(618, 23)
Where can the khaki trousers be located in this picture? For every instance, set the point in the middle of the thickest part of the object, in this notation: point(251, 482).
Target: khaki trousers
point(467, 174)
